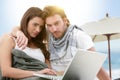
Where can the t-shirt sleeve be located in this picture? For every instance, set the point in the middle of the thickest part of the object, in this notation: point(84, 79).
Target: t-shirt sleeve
point(84, 41)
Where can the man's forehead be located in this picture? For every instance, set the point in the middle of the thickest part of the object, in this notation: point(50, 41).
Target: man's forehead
point(53, 19)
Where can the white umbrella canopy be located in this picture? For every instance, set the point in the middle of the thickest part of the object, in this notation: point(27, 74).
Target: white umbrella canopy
point(105, 26)
point(105, 29)
point(103, 37)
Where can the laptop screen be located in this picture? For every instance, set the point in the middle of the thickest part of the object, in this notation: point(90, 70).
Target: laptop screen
point(85, 65)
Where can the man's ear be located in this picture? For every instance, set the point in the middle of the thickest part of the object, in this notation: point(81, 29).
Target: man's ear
point(66, 20)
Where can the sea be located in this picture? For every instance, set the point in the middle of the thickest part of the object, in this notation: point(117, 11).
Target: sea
point(115, 65)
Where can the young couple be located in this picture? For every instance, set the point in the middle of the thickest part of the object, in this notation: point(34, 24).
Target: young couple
point(63, 41)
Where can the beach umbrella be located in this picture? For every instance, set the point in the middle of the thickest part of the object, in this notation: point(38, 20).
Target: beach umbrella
point(105, 29)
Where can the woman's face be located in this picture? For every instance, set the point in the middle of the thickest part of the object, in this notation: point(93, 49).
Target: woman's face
point(35, 26)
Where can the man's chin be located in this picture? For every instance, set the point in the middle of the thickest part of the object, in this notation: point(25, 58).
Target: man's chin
point(57, 37)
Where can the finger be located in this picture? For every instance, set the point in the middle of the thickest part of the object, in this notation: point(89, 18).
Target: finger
point(19, 41)
point(47, 71)
point(25, 44)
point(26, 41)
point(53, 72)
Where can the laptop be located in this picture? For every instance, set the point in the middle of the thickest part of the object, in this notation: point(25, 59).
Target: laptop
point(84, 66)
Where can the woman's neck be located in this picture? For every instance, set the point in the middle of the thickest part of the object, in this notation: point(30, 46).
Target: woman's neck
point(31, 45)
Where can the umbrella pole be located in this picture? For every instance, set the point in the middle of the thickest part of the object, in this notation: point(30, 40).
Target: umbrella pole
point(109, 55)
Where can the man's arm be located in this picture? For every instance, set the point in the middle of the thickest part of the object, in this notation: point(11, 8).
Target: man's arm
point(14, 31)
point(102, 74)
point(21, 39)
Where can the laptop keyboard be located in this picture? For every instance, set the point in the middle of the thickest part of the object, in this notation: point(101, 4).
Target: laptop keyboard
point(52, 77)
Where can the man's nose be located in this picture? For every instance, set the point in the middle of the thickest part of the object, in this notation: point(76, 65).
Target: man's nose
point(54, 28)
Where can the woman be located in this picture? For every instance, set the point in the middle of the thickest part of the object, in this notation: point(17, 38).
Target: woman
point(32, 25)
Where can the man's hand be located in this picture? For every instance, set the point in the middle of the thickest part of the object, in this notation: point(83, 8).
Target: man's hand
point(21, 39)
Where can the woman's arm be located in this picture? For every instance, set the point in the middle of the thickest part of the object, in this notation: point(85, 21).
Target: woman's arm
point(6, 46)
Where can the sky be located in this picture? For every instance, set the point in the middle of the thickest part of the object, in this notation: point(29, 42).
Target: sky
point(78, 12)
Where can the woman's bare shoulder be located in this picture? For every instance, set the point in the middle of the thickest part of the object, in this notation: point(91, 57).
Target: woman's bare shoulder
point(7, 39)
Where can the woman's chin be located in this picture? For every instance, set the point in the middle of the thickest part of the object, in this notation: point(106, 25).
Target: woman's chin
point(33, 36)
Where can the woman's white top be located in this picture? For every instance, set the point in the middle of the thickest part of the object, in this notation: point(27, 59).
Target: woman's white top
point(35, 53)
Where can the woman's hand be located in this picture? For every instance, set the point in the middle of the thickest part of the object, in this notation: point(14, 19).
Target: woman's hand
point(47, 71)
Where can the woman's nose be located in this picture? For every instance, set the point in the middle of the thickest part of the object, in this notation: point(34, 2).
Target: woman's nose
point(38, 29)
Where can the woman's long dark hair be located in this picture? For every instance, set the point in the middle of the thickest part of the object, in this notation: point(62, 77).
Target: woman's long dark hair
point(42, 36)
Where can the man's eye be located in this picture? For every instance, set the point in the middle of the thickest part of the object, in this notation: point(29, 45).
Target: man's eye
point(56, 23)
point(48, 25)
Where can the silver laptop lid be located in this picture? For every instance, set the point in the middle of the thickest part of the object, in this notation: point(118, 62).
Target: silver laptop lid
point(85, 65)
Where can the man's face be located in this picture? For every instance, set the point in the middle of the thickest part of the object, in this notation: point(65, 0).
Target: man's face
point(56, 25)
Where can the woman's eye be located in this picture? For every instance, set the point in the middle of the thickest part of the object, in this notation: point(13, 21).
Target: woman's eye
point(35, 24)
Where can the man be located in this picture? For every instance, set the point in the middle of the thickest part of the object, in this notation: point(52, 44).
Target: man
point(65, 39)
